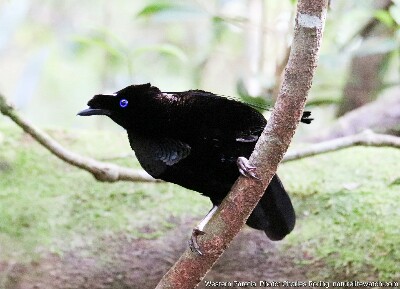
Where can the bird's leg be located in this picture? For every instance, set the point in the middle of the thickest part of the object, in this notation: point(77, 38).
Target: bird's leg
point(198, 230)
point(246, 169)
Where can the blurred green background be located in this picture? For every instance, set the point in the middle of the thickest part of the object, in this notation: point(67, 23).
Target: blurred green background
point(55, 55)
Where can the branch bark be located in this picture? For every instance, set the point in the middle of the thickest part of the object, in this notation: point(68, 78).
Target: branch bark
point(366, 138)
point(104, 172)
point(272, 145)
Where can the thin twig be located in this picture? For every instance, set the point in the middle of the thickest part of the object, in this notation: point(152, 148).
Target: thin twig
point(102, 171)
point(366, 138)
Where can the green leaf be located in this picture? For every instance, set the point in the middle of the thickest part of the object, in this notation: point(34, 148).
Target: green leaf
point(172, 11)
point(384, 17)
point(322, 101)
point(95, 42)
point(168, 49)
point(155, 8)
point(217, 19)
point(396, 182)
point(258, 102)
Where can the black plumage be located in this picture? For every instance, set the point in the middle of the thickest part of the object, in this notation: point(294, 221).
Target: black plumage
point(194, 139)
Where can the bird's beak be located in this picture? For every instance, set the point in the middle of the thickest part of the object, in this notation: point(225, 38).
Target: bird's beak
point(94, 111)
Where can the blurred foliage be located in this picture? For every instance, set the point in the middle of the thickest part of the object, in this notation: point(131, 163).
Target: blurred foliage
point(391, 17)
point(347, 212)
point(102, 40)
point(346, 204)
point(65, 51)
point(55, 55)
point(167, 8)
point(259, 102)
point(39, 210)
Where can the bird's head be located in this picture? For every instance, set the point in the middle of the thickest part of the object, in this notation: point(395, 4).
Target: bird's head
point(122, 106)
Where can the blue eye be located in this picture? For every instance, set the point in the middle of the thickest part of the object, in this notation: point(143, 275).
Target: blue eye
point(123, 103)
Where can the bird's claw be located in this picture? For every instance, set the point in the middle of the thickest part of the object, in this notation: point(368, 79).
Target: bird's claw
point(246, 169)
point(193, 245)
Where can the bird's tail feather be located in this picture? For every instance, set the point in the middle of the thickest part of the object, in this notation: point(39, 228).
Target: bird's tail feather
point(274, 213)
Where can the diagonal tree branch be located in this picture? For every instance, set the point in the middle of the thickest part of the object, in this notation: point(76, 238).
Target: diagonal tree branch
point(104, 172)
point(272, 145)
point(366, 138)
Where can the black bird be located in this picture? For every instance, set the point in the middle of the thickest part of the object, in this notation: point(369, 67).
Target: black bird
point(200, 141)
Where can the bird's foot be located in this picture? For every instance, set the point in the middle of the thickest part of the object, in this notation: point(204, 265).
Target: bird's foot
point(246, 169)
point(193, 245)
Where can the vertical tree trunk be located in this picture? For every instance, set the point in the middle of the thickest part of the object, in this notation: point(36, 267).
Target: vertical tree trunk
point(364, 81)
point(231, 216)
point(365, 77)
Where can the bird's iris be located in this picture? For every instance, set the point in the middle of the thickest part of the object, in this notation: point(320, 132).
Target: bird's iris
point(123, 103)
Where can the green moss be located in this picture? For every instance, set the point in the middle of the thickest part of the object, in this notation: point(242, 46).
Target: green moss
point(347, 204)
point(44, 200)
point(348, 211)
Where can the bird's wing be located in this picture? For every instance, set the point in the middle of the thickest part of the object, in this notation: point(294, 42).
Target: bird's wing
point(157, 154)
point(214, 118)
